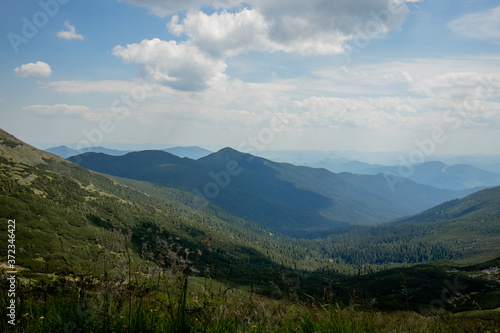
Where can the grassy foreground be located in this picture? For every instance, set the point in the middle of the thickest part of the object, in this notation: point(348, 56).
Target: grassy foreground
point(91, 306)
point(119, 294)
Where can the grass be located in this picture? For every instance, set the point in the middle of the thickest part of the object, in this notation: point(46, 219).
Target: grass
point(122, 294)
point(94, 311)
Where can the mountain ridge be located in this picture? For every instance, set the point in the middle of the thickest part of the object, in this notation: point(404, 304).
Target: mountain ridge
point(268, 193)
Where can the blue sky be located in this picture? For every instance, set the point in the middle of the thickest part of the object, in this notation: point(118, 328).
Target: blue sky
point(367, 75)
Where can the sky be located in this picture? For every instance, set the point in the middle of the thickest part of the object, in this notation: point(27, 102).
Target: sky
point(362, 75)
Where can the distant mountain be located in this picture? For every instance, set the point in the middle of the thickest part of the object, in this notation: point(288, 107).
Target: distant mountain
point(304, 157)
point(192, 152)
point(486, 162)
point(482, 204)
point(280, 196)
point(433, 173)
point(346, 165)
point(65, 152)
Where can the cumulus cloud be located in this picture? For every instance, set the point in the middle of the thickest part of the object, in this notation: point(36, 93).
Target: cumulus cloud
point(68, 111)
point(164, 7)
point(82, 87)
point(70, 33)
point(293, 26)
point(224, 34)
point(58, 109)
point(368, 113)
point(38, 68)
point(483, 25)
point(459, 85)
point(306, 27)
point(324, 27)
point(180, 66)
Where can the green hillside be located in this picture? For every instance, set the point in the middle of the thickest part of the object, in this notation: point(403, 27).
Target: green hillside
point(283, 197)
point(64, 211)
point(485, 203)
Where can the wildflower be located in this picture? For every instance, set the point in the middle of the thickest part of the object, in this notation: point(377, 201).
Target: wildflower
point(42, 317)
point(25, 314)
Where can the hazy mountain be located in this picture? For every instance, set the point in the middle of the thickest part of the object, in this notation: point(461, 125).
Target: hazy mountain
point(482, 204)
point(346, 165)
point(281, 196)
point(65, 152)
point(312, 158)
point(433, 173)
point(192, 152)
point(483, 161)
point(307, 157)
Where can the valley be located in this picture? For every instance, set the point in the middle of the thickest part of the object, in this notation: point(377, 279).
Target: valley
point(288, 238)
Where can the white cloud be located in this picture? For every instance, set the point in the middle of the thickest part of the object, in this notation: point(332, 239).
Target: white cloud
point(57, 109)
point(292, 26)
point(64, 110)
point(412, 114)
point(33, 69)
point(324, 27)
point(164, 7)
point(460, 85)
point(224, 34)
point(180, 66)
point(69, 34)
point(368, 113)
point(483, 25)
point(306, 27)
point(82, 87)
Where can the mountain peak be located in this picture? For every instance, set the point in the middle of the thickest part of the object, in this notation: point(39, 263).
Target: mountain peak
point(226, 154)
point(229, 150)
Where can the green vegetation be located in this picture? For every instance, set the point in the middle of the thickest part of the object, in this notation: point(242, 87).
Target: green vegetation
point(104, 254)
point(285, 198)
point(120, 294)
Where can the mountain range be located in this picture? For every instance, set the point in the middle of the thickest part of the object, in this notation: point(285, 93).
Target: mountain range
point(192, 152)
point(283, 197)
point(66, 216)
point(459, 176)
point(433, 173)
